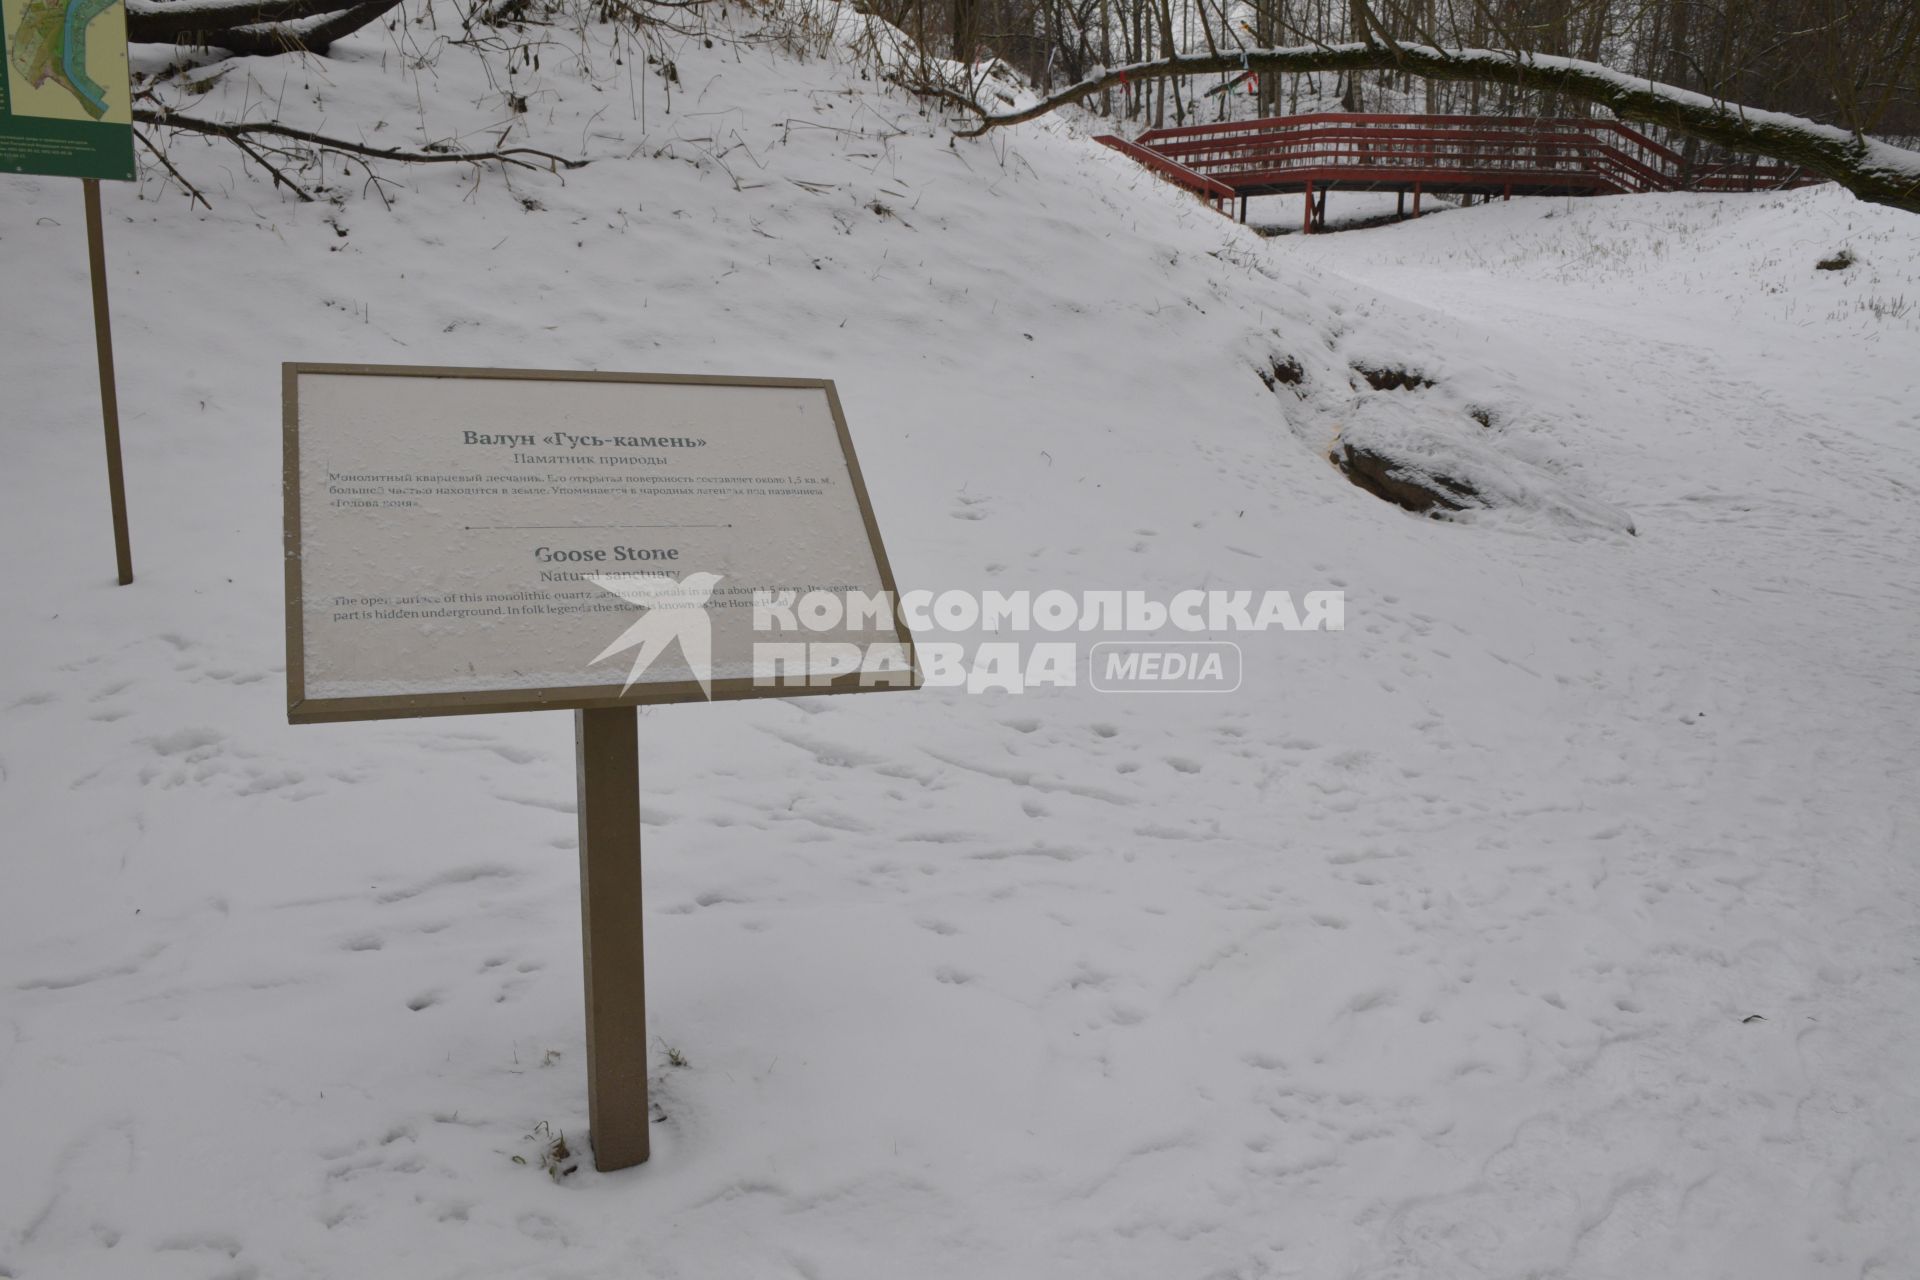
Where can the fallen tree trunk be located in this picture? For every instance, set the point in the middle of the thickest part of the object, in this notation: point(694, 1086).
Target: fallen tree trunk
point(1873, 170)
point(262, 27)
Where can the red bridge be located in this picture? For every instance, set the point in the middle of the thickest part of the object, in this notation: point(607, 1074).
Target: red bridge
point(1455, 155)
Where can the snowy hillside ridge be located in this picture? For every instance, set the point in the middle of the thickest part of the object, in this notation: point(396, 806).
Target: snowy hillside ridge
point(1554, 918)
point(755, 155)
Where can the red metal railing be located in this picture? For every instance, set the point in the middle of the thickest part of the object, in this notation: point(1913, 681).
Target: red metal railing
point(1458, 153)
point(1212, 191)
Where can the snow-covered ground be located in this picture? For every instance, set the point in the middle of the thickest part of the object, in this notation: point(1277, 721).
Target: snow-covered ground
point(1559, 917)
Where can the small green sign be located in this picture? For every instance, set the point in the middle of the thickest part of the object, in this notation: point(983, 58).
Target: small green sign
point(65, 106)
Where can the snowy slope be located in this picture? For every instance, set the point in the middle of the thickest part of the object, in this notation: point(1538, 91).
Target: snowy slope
point(1434, 952)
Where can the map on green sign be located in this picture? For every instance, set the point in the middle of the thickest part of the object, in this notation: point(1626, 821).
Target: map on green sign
point(49, 46)
point(65, 105)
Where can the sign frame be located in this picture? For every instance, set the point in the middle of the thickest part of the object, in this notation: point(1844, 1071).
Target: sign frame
point(57, 146)
point(302, 709)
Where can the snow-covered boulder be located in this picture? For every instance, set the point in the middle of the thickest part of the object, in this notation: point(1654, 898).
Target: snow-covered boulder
point(1428, 455)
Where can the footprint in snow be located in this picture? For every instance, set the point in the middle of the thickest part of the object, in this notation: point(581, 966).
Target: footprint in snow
point(200, 1242)
point(466, 742)
point(227, 675)
point(193, 744)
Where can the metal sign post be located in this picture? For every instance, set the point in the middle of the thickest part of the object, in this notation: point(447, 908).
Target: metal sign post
point(109, 397)
point(607, 746)
point(66, 110)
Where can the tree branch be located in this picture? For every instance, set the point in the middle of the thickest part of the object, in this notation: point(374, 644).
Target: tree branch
point(280, 179)
point(241, 132)
point(193, 192)
point(1875, 171)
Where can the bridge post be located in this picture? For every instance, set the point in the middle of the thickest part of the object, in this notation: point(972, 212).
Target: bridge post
point(1306, 223)
point(1416, 199)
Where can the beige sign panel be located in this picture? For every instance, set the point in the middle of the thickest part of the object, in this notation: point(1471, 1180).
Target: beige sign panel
point(470, 540)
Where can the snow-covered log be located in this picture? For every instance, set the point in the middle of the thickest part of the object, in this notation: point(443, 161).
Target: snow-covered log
point(251, 26)
point(1873, 170)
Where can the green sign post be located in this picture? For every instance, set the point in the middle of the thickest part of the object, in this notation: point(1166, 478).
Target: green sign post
point(66, 109)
